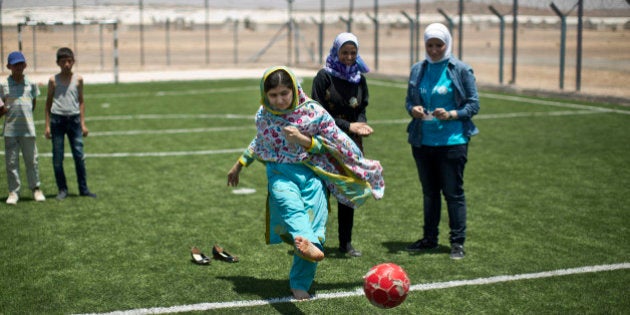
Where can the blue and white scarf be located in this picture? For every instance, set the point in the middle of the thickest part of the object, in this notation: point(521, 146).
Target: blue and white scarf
point(337, 68)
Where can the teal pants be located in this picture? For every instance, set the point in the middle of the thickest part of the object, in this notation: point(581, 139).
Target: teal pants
point(298, 206)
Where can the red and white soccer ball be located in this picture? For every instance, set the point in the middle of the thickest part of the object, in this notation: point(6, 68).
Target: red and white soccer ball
point(386, 285)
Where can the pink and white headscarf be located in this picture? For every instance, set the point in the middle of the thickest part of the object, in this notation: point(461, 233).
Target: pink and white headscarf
point(439, 31)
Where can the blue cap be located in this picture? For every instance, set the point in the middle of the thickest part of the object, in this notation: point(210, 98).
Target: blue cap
point(16, 57)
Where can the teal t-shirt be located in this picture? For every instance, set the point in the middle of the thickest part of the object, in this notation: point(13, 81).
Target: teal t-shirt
point(436, 90)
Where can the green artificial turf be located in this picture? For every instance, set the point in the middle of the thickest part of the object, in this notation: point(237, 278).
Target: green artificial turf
point(546, 185)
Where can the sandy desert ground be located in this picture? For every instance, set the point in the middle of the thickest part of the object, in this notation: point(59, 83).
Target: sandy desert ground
point(231, 45)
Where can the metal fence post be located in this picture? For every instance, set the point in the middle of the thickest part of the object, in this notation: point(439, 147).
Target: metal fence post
point(290, 32)
point(320, 25)
point(374, 20)
point(19, 30)
point(417, 30)
point(207, 30)
point(34, 30)
point(578, 66)
point(449, 20)
point(563, 36)
point(140, 8)
point(411, 37)
point(1, 37)
point(235, 41)
point(501, 32)
point(167, 40)
point(116, 63)
point(460, 35)
point(514, 40)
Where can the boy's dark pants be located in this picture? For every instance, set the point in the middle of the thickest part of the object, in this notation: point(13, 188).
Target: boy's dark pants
point(60, 126)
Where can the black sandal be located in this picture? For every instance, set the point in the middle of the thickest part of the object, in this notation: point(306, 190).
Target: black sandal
point(220, 254)
point(198, 257)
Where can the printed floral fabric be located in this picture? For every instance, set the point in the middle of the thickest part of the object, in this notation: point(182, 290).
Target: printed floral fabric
point(334, 157)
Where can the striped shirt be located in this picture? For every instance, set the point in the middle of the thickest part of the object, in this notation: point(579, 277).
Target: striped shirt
point(18, 99)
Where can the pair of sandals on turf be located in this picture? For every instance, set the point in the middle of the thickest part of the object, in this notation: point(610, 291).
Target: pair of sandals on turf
point(218, 253)
point(305, 249)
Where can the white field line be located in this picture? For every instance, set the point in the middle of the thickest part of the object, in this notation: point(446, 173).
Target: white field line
point(514, 99)
point(374, 82)
point(578, 109)
point(168, 131)
point(163, 116)
point(500, 116)
point(248, 117)
point(359, 291)
point(149, 154)
point(172, 93)
point(250, 127)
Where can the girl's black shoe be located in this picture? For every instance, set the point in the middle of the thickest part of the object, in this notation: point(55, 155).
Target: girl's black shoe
point(348, 249)
point(220, 254)
point(198, 257)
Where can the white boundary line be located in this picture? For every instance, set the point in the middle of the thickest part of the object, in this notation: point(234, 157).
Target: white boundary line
point(169, 131)
point(163, 116)
point(515, 99)
point(172, 93)
point(149, 154)
point(584, 110)
point(359, 291)
point(251, 118)
point(579, 109)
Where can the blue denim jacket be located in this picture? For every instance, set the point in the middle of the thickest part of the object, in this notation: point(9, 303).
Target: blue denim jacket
point(466, 97)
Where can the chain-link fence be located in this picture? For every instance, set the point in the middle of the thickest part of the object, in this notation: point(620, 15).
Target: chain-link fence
point(540, 50)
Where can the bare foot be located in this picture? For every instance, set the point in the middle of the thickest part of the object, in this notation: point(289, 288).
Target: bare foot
point(300, 295)
point(307, 249)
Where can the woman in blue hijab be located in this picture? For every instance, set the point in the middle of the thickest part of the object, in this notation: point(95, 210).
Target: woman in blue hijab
point(340, 87)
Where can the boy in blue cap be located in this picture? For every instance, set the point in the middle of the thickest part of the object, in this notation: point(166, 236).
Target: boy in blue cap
point(18, 98)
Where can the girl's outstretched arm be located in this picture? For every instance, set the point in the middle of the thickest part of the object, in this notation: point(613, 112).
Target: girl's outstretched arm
point(233, 174)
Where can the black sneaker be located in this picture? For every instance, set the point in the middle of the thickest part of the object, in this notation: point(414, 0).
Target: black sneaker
point(457, 251)
point(88, 194)
point(421, 245)
point(62, 194)
point(351, 251)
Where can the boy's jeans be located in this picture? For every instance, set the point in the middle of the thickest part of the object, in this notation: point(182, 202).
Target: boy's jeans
point(71, 126)
point(12, 148)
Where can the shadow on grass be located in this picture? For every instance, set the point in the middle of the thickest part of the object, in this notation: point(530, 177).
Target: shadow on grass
point(276, 292)
point(334, 253)
point(329, 252)
point(397, 247)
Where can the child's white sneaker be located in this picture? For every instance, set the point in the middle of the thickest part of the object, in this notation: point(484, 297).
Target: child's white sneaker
point(12, 199)
point(38, 195)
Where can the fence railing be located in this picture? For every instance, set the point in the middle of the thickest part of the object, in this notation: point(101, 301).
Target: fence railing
point(153, 37)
